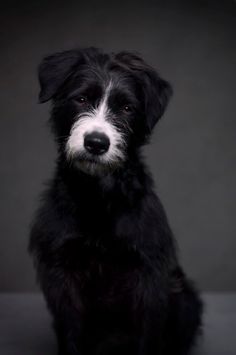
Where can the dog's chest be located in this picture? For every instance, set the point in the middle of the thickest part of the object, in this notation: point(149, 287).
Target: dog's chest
point(105, 272)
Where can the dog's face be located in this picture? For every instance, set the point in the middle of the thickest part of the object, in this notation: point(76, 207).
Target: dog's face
point(104, 106)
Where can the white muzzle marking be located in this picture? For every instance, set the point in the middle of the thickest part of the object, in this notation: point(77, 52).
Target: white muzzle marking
point(96, 120)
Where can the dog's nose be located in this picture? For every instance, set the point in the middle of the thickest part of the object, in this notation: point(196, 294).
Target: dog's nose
point(96, 143)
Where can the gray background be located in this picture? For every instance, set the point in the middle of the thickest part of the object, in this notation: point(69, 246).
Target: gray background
point(193, 150)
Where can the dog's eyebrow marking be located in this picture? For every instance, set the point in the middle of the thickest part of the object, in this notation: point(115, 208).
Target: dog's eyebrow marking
point(102, 110)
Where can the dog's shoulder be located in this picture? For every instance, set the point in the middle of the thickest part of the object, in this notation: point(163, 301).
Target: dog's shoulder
point(53, 221)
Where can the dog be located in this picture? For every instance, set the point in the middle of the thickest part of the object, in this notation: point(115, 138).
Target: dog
point(102, 246)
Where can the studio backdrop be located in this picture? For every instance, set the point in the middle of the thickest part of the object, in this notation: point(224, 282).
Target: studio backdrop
point(193, 151)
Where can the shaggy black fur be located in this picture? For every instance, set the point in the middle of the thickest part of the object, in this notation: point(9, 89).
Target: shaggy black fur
point(103, 249)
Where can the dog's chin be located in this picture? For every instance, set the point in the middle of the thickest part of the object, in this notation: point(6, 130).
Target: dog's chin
point(95, 166)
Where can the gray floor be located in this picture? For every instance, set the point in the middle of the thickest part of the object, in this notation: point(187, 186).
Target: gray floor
point(25, 326)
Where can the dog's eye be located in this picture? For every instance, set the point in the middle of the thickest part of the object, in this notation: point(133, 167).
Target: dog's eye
point(82, 100)
point(127, 108)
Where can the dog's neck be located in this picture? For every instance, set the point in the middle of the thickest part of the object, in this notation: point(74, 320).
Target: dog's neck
point(127, 182)
point(99, 203)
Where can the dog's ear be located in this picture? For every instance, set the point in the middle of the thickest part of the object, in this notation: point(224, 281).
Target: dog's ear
point(156, 91)
point(157, 95)
point(53, 72)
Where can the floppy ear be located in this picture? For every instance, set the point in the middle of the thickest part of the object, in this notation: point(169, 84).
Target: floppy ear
point(157, 95)
point(53, 72)
point(156, 91)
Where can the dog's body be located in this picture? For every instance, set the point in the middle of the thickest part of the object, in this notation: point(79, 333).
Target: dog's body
point(103, 249)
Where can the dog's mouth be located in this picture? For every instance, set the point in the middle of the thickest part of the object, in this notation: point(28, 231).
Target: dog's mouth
point(94, 164)
point(88, 158)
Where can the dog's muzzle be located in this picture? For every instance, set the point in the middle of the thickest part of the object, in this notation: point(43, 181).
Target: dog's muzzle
point(96, 143)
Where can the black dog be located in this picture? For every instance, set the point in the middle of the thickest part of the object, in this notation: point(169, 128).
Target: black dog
point(103, 249)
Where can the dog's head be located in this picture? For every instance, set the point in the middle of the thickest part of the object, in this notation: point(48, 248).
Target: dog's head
point(104, 105)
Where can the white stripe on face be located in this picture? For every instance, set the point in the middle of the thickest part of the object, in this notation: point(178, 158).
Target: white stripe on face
point(96, 120)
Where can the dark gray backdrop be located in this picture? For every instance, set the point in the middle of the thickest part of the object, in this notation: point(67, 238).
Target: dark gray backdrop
point(193, 151)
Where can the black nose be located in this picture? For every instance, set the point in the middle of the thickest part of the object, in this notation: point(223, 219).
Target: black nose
point(96, 143)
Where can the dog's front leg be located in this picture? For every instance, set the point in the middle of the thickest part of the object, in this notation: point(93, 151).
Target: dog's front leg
point(63, 300)
point(68, 331)
point(152, 318)
point(151, 341)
